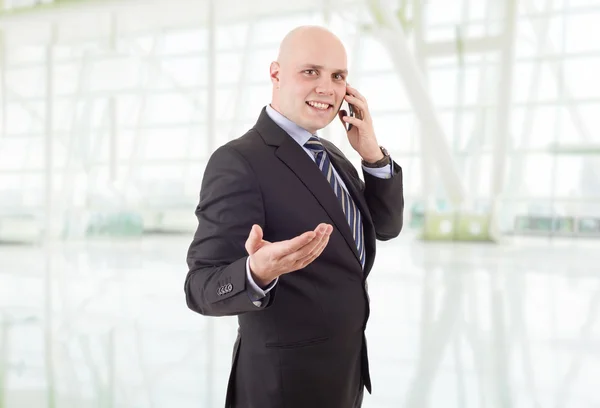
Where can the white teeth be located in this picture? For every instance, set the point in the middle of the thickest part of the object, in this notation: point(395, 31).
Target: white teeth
point(319, 105)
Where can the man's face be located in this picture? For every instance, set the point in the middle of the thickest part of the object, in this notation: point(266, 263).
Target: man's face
point(312, 83)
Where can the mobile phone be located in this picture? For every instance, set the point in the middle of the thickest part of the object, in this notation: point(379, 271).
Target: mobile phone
point(351, 112)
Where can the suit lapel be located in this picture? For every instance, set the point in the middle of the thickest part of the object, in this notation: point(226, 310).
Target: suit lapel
point(294, 157)
point(305, 169)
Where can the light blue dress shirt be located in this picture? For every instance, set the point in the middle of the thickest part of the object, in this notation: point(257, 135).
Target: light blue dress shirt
point(301, 136)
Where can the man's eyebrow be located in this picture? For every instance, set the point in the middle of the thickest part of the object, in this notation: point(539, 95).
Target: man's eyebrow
point(315, 66)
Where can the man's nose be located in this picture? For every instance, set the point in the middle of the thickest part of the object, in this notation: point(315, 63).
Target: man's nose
point(325, 87)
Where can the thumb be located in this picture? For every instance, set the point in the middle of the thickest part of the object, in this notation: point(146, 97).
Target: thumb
point(254, 239)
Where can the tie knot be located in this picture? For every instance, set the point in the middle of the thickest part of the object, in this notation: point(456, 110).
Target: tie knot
point(314, 144)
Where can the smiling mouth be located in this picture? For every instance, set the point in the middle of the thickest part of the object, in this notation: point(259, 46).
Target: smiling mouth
point(319, 106)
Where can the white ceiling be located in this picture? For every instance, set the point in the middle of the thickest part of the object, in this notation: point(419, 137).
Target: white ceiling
point(91, 18)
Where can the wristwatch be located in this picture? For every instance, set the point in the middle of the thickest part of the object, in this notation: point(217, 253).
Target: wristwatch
point(380, 163)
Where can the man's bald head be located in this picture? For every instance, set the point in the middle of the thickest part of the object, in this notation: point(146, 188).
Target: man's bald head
point(311, 67)
point(306, 36)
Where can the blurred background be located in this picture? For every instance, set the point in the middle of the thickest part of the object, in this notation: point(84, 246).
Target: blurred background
point(110, 109)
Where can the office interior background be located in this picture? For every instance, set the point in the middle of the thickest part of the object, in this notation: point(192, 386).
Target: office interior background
point(109, 111)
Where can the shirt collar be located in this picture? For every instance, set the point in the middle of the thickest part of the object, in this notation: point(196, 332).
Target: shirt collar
point(299, 134)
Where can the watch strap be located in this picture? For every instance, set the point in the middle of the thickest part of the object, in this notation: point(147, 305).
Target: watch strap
point(380, 163)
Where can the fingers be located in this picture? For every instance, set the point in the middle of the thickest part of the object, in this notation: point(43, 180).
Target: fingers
point(358, 103)
point(354, 121)
point(295, 244)
point(315, 253)
point(313, 248)
point(354, 92)
point(355, 101)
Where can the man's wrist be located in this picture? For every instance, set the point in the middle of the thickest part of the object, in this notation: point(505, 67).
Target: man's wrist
point(373, 158)
point(375, 161)
point(261, 281)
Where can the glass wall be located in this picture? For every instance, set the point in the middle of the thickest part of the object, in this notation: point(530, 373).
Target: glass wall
point(120, 112)
point(110, 112)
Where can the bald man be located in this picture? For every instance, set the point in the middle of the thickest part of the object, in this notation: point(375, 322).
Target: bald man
point(286, 236)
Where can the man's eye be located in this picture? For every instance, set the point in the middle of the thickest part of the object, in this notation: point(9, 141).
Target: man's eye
point(339, 77)
point(310, 71)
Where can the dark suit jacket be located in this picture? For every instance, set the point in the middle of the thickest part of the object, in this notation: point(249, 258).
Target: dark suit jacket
point(305, 346)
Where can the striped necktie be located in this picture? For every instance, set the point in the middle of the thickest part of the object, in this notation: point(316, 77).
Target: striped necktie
point(350, 209)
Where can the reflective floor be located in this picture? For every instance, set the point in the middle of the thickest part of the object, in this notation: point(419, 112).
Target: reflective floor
point(104, 324)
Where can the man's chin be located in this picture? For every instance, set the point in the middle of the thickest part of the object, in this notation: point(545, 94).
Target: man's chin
point(316, 125)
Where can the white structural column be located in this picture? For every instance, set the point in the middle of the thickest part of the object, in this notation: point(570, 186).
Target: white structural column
point(3, 81)
point(49, 135)
point(476, 138)
point(391, 34)
point(461, 33)
point(426, 151)
point(48, 221)
point(113, 155)
point(515, 174)
point(504, 103)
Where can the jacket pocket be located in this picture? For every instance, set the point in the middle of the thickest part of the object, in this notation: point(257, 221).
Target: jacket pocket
point(297, 344)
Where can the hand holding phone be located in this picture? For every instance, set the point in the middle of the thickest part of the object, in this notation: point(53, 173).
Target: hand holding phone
point(362, 135)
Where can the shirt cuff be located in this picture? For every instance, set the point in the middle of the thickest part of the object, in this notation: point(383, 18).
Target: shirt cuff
point(254, 291)
point(385, 172)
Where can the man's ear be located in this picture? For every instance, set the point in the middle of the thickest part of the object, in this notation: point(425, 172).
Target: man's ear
point(274, 73)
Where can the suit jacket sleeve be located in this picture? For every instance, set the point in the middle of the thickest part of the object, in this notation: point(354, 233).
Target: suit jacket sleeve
point(230, 203)
point(385, 198)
